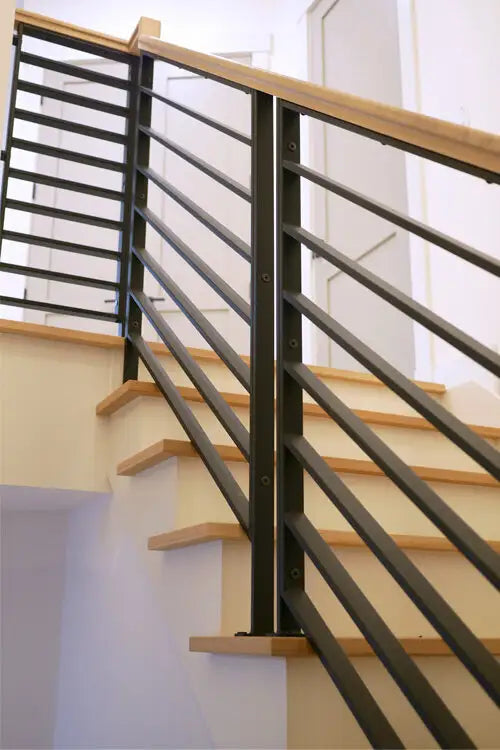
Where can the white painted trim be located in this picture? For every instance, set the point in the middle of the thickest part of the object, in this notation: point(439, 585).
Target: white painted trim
point(416, 188)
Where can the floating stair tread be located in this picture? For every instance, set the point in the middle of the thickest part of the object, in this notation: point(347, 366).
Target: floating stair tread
point(68, 335)
point(299, 646)
point(165, 449)
point(229, 532)
point(133, 389)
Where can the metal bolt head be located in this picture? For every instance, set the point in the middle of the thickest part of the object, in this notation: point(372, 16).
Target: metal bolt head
point(293, 343)
point(292, 146)
point(135, 324)
point(266, 277)
point(295, 574)
point(265, 481)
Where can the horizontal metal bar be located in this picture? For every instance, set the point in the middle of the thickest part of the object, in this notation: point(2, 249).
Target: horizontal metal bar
point(481, 554)
point(409, 148)
point(69, 98)
point(236, 134)
point(68, 247)
point(62, 153)
point(353, 690)
point(445, 330)
point(92, 48)
point(203, 166)
point(49, 307)
point(71, 127)
point(202, 443)
point(224, 413)
point(418, 690)
point(59, 213)
point(466, 252)
point(216, 282)
point(202, 73)
point(235, 364)
point(477, 448)
point(220, 231)
point(469, 649)
point(75, 70)
point(57, 182)
point(45, 273)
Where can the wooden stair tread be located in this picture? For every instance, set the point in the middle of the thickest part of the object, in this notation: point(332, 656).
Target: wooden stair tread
point(297, 646)
point(203, 533)
point(134, 389)
point(166, 448)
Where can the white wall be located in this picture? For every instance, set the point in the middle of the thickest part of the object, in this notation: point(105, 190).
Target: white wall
point(127, 679)
point(33, 563)
point(451, 59)
point(190, 19)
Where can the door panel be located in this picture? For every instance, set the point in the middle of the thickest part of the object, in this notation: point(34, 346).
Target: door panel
point(68, 294)
point(230, 157)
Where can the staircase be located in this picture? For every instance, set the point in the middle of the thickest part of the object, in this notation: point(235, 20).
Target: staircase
point(381, 551)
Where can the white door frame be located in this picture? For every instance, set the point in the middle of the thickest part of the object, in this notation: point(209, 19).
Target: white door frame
point(320, 343)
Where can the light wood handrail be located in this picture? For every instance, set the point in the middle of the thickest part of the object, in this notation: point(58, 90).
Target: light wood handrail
point(474, 147)
point(145, 26)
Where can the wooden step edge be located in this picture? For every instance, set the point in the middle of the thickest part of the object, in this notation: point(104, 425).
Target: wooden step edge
point(133, 389)
point(106, 341)
point(211, 531)
point(155, 454)
point(297, 646)
point(165, 449)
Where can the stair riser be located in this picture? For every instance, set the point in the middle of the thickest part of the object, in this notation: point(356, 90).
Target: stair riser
point(198, 500)
point(449, 572)
point(330, 724)
point(148, 420)
point(356, 395)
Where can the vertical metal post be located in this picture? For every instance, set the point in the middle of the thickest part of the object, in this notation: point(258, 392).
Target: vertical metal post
point(262, 367)
point(289, 394)
point(139, 198)
point(17, 42)
point(128, 189)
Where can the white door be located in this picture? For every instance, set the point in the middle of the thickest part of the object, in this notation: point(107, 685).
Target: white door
point(232, 157)
point(356, 49)
point(229, 156)
point(62, 230)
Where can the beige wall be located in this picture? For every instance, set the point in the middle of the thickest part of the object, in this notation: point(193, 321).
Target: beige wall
point(7, 8)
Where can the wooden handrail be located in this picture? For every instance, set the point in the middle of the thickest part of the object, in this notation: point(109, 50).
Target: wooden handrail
point(145, 26)
point(474, 147)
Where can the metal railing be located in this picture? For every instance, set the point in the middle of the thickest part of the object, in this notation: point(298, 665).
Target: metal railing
point(255, 514)
point(296, 535)
point(124, 167)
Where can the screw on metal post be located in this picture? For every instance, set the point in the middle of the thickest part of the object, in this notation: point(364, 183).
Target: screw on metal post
point(135, 324)
point(292, 146)
point(293, 343)
point(266, 481)
point(265, 277)
point(295, 574)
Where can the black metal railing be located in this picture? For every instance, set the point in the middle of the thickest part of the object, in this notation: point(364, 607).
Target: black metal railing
point(255, 514)
point(23, 61)
point(297, 536)
point(296, 613)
